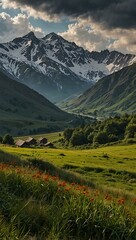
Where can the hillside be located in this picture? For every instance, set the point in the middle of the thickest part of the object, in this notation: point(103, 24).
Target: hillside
point(22, 110)
point(113, 94)
point(56, 68)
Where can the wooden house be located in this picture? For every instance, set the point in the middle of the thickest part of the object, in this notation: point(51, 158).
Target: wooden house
point(42, 141)
point(49, 144)
point(21, 143)
point(31, 141)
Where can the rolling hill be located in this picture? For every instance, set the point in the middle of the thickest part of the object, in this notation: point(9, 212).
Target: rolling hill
point(24, 111)
point(113, 94)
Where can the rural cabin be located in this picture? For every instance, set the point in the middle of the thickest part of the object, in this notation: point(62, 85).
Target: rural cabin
point(21, 143)
point(42, 141)
point(31, 141)
point(49, 144)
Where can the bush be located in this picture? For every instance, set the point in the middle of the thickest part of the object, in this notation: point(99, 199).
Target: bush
point(8, 139)
point(78, 138)
point(68, 133)
point(130, 131)
point(101, 138)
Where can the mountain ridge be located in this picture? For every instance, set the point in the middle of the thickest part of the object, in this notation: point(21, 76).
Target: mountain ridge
point(24, 110)
point(57, 68)
point(113, 94)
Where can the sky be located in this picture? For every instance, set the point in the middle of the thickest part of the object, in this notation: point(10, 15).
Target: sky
point(92, 24)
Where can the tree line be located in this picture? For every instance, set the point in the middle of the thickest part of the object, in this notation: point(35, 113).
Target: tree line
point(110, 130)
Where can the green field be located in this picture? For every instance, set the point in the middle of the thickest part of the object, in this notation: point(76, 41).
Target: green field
point(111, 167)
point(82, 186)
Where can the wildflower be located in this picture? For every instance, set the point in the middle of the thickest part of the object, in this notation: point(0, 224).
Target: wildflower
point(86, 193)
point(108, 197)
point(121, 201)
point(91, 199)
point(62, 184)
point(73, 184)
point(67, 188)
point(46, 177)
point(54, 178)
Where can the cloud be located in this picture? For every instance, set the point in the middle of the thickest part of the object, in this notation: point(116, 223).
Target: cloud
point(94, 37)
point(29, 10)
point(12, 27)
point(98, 24)
point(110, 13)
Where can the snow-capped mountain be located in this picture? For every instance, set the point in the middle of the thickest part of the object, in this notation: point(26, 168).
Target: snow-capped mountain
point(55, 67)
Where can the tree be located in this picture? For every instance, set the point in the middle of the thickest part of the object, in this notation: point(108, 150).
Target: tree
point(90, 137)
point(78, 138)
point(130, 131)
point(1, 139)
point(101, 138)
point(68, 133)
point(8, 139)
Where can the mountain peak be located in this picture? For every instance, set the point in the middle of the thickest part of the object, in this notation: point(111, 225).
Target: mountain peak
point(30, 35)
point(52, 36)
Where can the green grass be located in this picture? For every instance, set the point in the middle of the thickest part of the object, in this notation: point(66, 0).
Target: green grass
point(117, 172)
point(30, 199)
point(38, 182)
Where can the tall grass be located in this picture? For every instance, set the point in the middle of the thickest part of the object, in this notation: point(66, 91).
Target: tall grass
point(37, 205)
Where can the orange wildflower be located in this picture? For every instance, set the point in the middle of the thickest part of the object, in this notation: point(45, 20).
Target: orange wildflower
point(67, 188)
point(108, 197)
point(121, 201)
point(73, 184)
point(62, 184)
point(46, 177)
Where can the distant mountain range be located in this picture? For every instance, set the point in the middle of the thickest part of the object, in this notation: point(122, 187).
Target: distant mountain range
point(113, 94)
point(24, 111)
point(57, 68)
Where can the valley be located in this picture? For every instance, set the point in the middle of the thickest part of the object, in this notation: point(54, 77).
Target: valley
point(83, 103)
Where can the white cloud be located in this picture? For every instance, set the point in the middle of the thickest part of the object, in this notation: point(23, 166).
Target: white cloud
point(31, 12)
point(84, 32)
point(12, 27)
point(95, 37)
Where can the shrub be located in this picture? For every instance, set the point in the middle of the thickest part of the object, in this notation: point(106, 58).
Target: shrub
point(68, 133)
point(8, 139)
point(78, 138)
point(101, 138)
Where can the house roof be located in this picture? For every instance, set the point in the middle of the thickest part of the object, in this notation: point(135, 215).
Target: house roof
point(20, 143)
point(48, 144)
point(42, 138)
point(29, 139)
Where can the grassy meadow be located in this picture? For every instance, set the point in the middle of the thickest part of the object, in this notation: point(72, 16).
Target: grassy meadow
point(92, 191)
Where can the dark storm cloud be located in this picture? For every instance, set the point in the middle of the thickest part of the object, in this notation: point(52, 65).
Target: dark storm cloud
point(111, 13)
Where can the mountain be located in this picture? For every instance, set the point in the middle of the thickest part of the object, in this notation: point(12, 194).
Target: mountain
point(113, 94)
point(24, 111)
point(57, 68)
